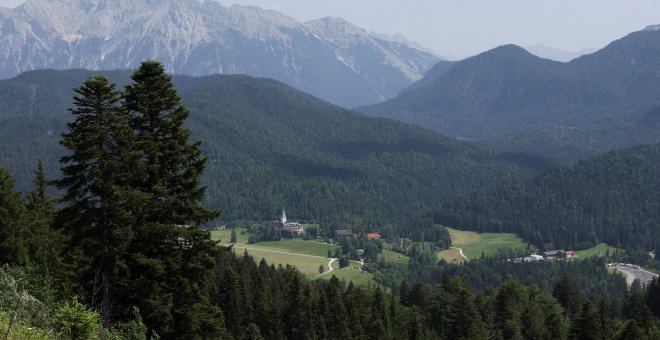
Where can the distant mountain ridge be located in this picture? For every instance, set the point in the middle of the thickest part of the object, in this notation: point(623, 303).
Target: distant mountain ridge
point(329, 58)
point(607, 99)
point(555, 54)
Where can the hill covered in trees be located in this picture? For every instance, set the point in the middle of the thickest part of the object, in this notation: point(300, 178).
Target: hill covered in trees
point(520, 102)
point(612, 198)
point(271, 147)
point(122, 255)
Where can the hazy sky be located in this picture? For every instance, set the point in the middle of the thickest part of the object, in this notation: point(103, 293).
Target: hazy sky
point(462, 28)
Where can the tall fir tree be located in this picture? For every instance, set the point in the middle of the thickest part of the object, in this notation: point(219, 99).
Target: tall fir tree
point(95, 219)
point(172, 258)
point(13, 247)
point(43, 242)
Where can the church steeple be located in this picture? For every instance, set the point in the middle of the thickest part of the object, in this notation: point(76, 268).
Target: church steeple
point(283, 218)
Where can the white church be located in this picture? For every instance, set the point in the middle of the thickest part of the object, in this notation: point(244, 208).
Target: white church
point(290, 227)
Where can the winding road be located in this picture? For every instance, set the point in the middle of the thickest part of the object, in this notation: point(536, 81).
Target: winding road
point(460, 251)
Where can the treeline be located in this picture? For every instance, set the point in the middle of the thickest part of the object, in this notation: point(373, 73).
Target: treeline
point(490, 272)
point(612, 198)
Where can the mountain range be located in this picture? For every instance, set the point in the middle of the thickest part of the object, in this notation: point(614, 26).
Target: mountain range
point(329, 57)
point(512, 100)
point(272, 147)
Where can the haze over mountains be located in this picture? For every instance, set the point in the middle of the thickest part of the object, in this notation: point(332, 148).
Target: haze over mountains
point(513, 99)
point(329, 58)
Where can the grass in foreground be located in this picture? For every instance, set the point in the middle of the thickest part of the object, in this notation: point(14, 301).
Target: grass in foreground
point(19, 331)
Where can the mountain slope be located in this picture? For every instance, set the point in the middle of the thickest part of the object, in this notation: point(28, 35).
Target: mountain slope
point(341, 63)
point(607, 94)
point(612, 198)
point(272, 147)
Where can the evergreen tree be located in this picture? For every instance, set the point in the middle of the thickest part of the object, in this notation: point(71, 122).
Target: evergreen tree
point(585, 325)
point(13, 248)
point(44, 243)
point(172, 258)
point(95, 218)
point(173, 166)
point(653, 296)
point(567, 292)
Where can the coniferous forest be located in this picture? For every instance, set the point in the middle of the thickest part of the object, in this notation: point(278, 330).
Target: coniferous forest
point(121, 254)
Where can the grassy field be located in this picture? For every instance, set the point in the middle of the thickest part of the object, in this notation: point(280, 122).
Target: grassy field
point(301, 247)
point(350, 273)
point(599, 250)
point(450, 255)
point(308, 265)
point(307, 256)
point(394, 257)
point(224, 235)
point(474, 243)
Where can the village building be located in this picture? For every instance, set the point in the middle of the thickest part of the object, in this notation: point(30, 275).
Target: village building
point(533, 257)
point(373, 236)
point(282, 225)
point(339, 234)
point(552, 254)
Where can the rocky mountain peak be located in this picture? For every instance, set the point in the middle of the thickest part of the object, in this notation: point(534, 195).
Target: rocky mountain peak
point(200, 38)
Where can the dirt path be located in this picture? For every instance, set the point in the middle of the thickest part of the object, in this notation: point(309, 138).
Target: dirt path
point(330, 265)
point(460, 251)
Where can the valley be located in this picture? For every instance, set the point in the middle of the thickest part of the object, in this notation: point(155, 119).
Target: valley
point(149, 150)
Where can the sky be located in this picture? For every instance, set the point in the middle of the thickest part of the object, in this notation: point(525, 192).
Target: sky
point(461, 28)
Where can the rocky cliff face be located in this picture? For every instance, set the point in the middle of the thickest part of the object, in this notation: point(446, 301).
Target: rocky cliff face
point(329, 58)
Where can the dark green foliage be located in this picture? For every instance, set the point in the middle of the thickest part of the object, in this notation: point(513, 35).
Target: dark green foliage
point(172, 166)
point(13, 234)
point(612, 198)
point(170, 259)
point(567, 293)
point(131, 210)
point(591, 275)
point(44, 243)
point(653, 297)
point(270, 146)
point(95, 219)
point(279, 303)
point(585, 325)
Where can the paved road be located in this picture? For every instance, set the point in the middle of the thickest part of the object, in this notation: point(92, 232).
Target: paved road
point(640, 274)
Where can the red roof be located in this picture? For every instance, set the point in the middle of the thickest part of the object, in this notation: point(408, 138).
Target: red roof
point(373, 235)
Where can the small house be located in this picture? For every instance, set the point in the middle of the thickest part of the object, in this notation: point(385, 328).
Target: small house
point(339, 234)
point(373, 236)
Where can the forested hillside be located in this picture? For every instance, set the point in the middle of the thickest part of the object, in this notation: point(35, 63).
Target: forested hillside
point(121, 255)
point(612, 198)
point(523, 103)
point(271, 147)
